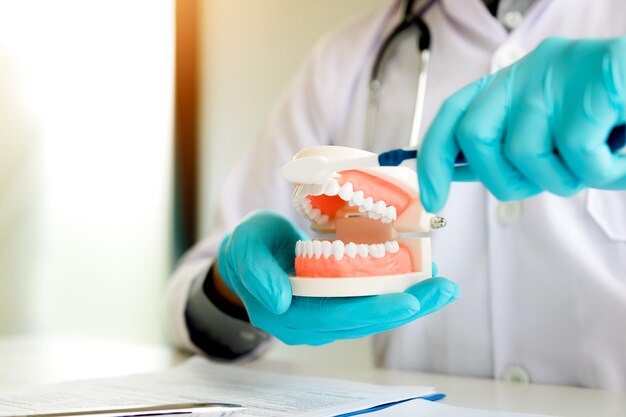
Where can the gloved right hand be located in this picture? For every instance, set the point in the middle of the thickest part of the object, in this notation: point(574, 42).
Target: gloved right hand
point(254, 262)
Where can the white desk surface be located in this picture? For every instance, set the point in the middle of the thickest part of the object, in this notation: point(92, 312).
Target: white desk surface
point(39, 360)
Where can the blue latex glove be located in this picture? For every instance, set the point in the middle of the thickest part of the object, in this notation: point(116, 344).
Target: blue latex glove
point(254, 261)
point(539, 124)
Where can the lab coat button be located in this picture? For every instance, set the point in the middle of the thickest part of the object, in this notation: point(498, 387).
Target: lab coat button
point(509, 212)
point(507, 55)
point(512, 19)
point(516, 373)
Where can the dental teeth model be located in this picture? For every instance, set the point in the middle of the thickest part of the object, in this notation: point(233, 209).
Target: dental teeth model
point(368, 210)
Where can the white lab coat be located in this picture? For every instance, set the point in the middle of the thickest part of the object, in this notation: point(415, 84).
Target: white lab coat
point(543, 281)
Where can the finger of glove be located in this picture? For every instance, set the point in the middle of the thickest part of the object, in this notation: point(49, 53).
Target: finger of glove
point(250, 282)
point(480, 136)
point(276, 233)
point(294, 333)
point(298, 336)
point(226, 265)
point(616, 185)
point(348, 313)
point(464, 173)
point(259, 251)
point(264, 278)
point(434, 269)
point(590, 108)
point(529, 146)
point(439, 149)
point(581, 140)
point(434, 294)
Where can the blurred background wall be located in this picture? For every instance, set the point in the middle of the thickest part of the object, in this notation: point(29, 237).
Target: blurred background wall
point(87, 188)
point(85, 166)
point(250, 51)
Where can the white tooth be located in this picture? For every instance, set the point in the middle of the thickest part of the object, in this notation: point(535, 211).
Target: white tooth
point(315, 214)
point(377, 251)
point(390, 247)
point(368, 203)
point(385, 220)
point(373, 215)
point(393, 246)
point(345, 192)
point(390, 212)
point(332, 188)
point(294, 197)
point(327, 249)
point(362, 209)
point(298, 248)
point(338, 249)
point(380, 207)
point(317, 189)
point(308, 249)
point(362, 250)
point(317, 249)
point(351, 250)
point(306, 189)
point(306, 203)
point(357, 198)
point(299, 193)
point(323, 219)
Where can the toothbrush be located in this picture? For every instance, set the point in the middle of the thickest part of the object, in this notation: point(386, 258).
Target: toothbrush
point(316, 169)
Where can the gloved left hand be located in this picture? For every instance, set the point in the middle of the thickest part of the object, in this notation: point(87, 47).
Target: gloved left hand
point(539, 124)
point(254, 260)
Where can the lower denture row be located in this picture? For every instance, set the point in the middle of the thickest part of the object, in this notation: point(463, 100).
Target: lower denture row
point(337, 248)
point(389, 263)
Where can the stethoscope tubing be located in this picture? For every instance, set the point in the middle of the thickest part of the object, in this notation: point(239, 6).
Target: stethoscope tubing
point(409, 20)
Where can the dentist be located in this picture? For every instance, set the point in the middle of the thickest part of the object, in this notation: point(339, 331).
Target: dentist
point(529, 91)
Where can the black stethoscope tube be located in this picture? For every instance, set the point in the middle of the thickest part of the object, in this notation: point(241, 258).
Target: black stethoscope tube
point(409, 20)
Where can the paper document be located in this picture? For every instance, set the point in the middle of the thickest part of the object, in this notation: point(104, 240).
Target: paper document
point(198, 380)
point(431, 409)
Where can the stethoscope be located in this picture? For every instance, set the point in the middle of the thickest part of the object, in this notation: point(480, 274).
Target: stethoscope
point(410, 19)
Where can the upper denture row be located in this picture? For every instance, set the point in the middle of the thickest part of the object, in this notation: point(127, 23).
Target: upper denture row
point(375, 210)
